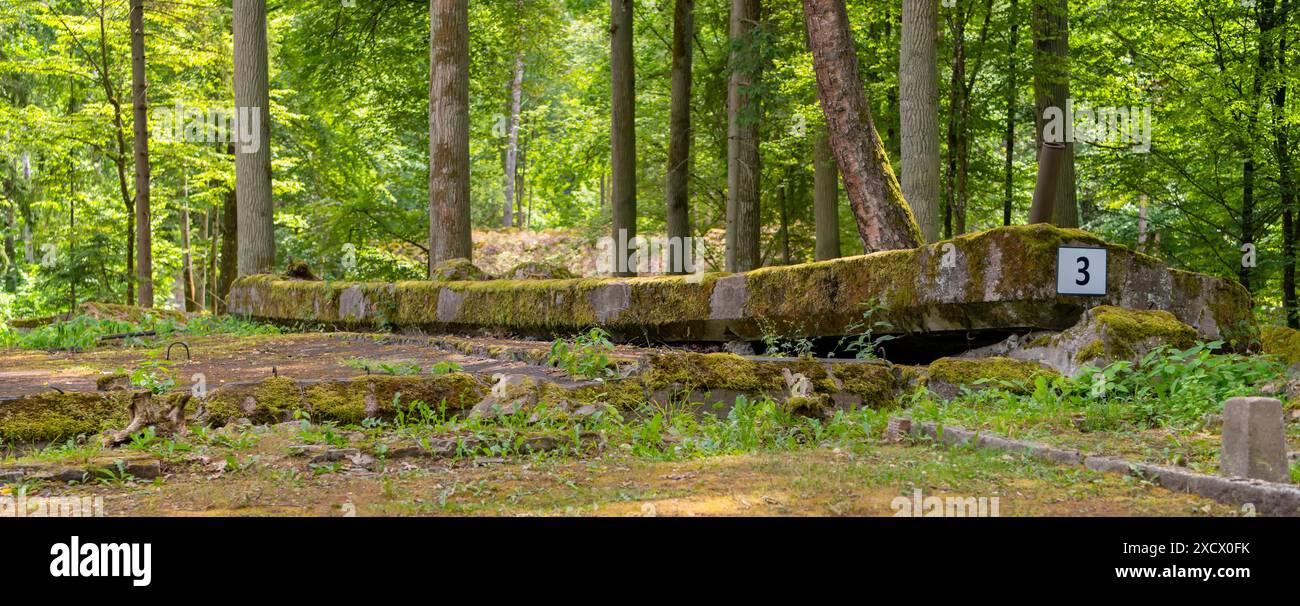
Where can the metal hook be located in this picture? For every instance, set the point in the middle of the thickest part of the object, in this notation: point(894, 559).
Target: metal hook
point(182, 344)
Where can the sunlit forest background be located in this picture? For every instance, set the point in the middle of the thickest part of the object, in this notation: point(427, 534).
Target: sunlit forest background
point(349, 89)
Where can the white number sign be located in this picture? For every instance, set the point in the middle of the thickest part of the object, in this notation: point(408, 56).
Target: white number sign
point(1080, 271)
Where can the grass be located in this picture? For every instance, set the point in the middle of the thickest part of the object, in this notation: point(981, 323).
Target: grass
point(84, 332)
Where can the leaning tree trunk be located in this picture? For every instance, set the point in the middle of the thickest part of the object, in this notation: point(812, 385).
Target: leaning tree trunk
point(449, 210)
point(884, 220)
point(622, 127)
point(140, 108)
point(743, 171)
point(918, 83)
point(1051, 27)
point(253, 159)
point(679, 134)
point(826, 199)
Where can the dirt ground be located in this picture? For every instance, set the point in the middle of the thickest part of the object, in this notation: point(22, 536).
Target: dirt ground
point(226, 359)
point(258, 478)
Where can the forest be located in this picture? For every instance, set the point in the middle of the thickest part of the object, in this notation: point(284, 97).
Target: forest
point(125, 124)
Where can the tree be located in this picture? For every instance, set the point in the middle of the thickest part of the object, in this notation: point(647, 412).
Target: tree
point(1051, 25)
point(622, 125)
point(253, 161)
point(744, 222)
point(918, 84)
point(512, 125)
point(884, 220)
point(826, 199)
point(676, 188)
point(449, 211)
point(140, 103)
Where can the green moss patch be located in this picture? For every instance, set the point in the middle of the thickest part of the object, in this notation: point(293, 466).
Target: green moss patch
point(1282, 342)
point(949, 374)
point(55, 417)
point(1122, 329)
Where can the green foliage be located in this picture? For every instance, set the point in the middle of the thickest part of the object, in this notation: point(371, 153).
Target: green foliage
point(587, 356)
point(860, 337)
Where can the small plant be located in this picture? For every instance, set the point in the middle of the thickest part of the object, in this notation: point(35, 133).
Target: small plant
point(774, 344)
point(585, 357)
point(391, 367)
point(155, 375)
point(864, 343)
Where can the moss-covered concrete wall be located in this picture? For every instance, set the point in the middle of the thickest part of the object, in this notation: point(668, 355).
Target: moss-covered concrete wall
point(1001, 278)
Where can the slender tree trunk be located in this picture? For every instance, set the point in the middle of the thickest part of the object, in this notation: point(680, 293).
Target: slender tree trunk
point(140, 107)
point(884, 220)
point(512, 137)
point(119, 158)
point(826, 199)
point(1051, 26)
point(253, 161)
point(622, 127)
point(918, 83)
point(449, 209)
point(229, 251)
point(1282, 146)
point(744, 221)
point(782, 195)
point(187, 261)
point(679, 133)
point(1009, 139)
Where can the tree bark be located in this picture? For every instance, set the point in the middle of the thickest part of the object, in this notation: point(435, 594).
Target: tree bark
point(744, 222)
point(1052, 89)
point(119, 158)
point(512, 136)
point(449, 208)
point(229, 248)
point(140, 108)
point(884, 220)
point(918, 83)
point(826, 199)
point(1009, 139)
point(253, 162)
point(622, 127)
point(676, 187)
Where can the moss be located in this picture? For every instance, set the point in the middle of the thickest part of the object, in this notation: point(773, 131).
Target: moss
point(380, 396)
point(533, 270)
point(876, 384)
point(1092, 351)
point(1282, 342)
point(817, 406)
point(112, 382)
point(696, 371)
point(963, 372)
point(458, 269)
point(625, 394)
point(1125, 328)
point(55, 417)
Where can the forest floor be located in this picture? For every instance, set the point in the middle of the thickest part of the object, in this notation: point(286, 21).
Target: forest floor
point(253, 472)
point(757, 461)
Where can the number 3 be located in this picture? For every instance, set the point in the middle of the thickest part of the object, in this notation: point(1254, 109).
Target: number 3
point(1083, 261)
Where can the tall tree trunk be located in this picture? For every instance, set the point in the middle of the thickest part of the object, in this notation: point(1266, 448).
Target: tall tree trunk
point(119, 158)
point(187, 260)
point(253, 162)
point(1282, 147)
point(826, 199)
point(229, 251)
point(884, 220)
point(512, 135)
point(1051, 25)
point(918, 83)
point(449, 209)
point(622, 127)
point(679, 133)
point(1009, 139)
point(140, 107)
point(744, 222)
